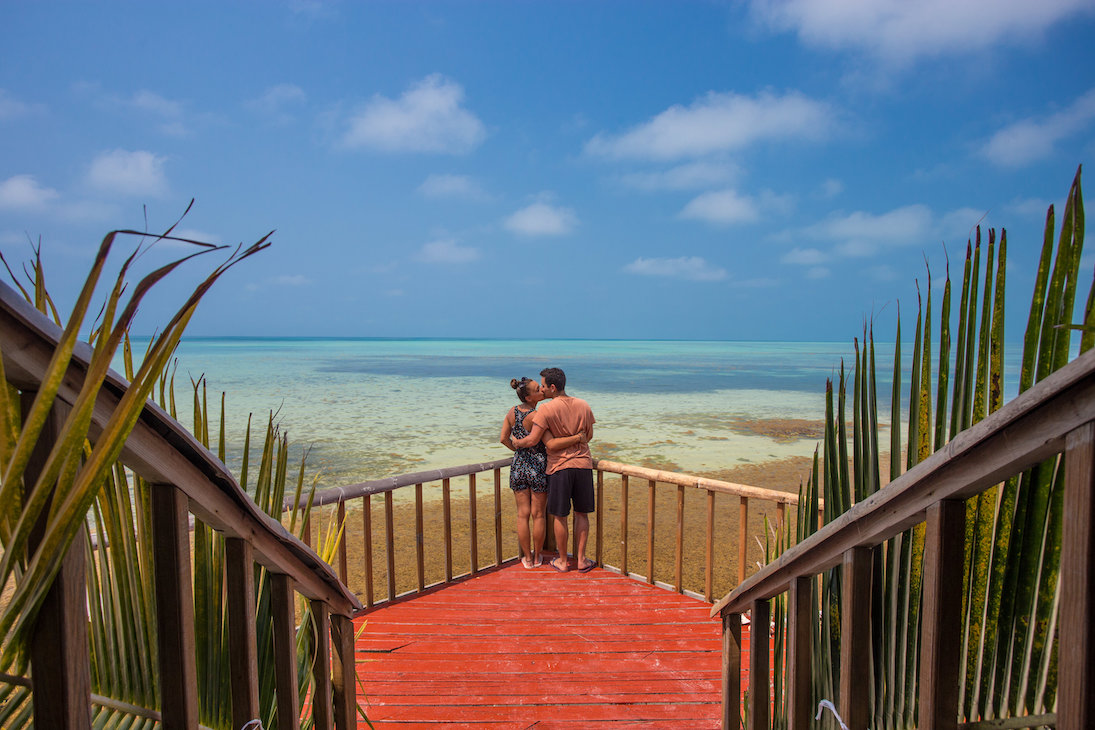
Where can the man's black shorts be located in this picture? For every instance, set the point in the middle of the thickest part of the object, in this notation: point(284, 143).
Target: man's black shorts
point(568, 485)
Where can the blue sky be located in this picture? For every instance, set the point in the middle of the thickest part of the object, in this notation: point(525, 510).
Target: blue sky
point(765, 169)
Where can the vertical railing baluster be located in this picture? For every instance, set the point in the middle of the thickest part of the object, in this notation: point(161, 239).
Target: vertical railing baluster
point(473, 520)
point(855, 638)
point(59, 649)
point(941, 615)
point(599, 544)
point(1075, 703)
point(283, 610)
point(497, 516)
point(650, 532)
point(242, 651)
point(343, 669)
point(367, 526)
point(709, 552)
point(731, 671)
point(419, 538)
point(306, 531)
point(343, 569)
point(623, 524)
point(743, 531)
point(781, 516)
point(389, 530)
point(174, 608)
point(323, 710)
point(446, 509)
point(800, 615)
point(760, 681)
point(680, 537)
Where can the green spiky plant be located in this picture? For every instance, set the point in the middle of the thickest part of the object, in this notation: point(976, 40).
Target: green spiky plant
point(1012, 530)
point(120, 589)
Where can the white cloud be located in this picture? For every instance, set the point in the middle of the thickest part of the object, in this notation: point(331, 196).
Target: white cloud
point(152, 102)
point(831, 188)
point(1030, 140)
point(542, 219)
point(692, 268)
point(22, 192)
point(277, 100)
point(804, 257)
point(292, 280)
point(723, 207)
point(719, 122)
point(452, 186)
point(428, 117)
point(11, 107)
point(129, 173)
point(864, 234)
point(684, 177)
point(447, 251)
point(900, 31)
point(1035, 208)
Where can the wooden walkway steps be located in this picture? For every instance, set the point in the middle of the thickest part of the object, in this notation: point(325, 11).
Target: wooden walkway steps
point(516, 648)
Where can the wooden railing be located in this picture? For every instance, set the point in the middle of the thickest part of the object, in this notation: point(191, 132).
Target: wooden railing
point(476, 474)
point(1055, 416)
point(186, 478)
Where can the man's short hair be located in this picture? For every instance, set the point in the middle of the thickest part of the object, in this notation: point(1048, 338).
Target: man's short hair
point(554, 376)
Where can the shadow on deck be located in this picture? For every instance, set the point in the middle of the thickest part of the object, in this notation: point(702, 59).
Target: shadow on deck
point(516, 648)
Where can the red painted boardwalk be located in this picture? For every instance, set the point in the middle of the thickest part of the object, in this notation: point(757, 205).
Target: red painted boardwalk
point(516, 648)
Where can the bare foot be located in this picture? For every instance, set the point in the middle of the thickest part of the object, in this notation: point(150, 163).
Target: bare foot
point(538, 561)
point(527, 563)
point(589, 565)
point(555, 564)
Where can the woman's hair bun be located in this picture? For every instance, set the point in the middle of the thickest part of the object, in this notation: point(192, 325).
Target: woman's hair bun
point(514, 383)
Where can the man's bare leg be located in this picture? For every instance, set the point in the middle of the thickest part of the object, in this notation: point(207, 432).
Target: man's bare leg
point(539, 526)
point(581, 533)
point(562, 563)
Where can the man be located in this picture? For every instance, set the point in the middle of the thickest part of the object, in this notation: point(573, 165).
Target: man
point(569, 470)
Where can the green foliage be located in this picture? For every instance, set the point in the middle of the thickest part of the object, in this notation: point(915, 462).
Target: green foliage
point(1013, 531)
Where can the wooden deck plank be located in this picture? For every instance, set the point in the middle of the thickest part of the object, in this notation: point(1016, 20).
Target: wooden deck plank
point(511, 648)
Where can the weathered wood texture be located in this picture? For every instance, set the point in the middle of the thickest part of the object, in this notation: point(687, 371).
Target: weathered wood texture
point(242, 650)
point(800, 613)
point(520, 648)
point(944, 553)
point(1076, 702)
point(174, 608)
point(323, 711)
point(283, 608)
point(855, 638)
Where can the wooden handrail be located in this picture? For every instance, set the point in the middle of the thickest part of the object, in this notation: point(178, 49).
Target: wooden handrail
point(1022, 433)
point(1055, 416)
point(185, 477)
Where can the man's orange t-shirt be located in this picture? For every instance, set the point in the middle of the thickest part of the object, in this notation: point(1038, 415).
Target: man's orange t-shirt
point(567, 416)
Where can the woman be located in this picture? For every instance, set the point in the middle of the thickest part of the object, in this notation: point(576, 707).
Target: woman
point(527, 475)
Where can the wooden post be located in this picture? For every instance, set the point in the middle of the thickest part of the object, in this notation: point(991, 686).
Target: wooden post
point(800, 614)
point(242, 651)
point(599, 544)
point(743, 536)
point(59, 656)
point(389, 530)
point(419, 537)
point(307, 531)
point(497, 516)
point(343, 569)
point(1076, 701)
point(367, 526)
point(760, 681)
point(855, 638)
point(174, 608)
point(731, 671)
point(322, 709)
point(680, 537)
point(781, 516)
point(283, 609)
point(650, 532)
point(623, 524)
point(709, 553)
point(344, 669)
point(941, 616)
point(473, 519)
point(446, 509)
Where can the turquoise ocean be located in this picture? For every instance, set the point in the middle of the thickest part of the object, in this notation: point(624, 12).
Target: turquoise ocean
point(371, 408)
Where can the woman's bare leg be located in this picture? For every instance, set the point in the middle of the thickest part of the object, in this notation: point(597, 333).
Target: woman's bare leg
point(539, 526)
point(524, 508)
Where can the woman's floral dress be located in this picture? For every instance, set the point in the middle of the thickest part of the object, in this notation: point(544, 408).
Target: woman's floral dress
point(529, 469)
